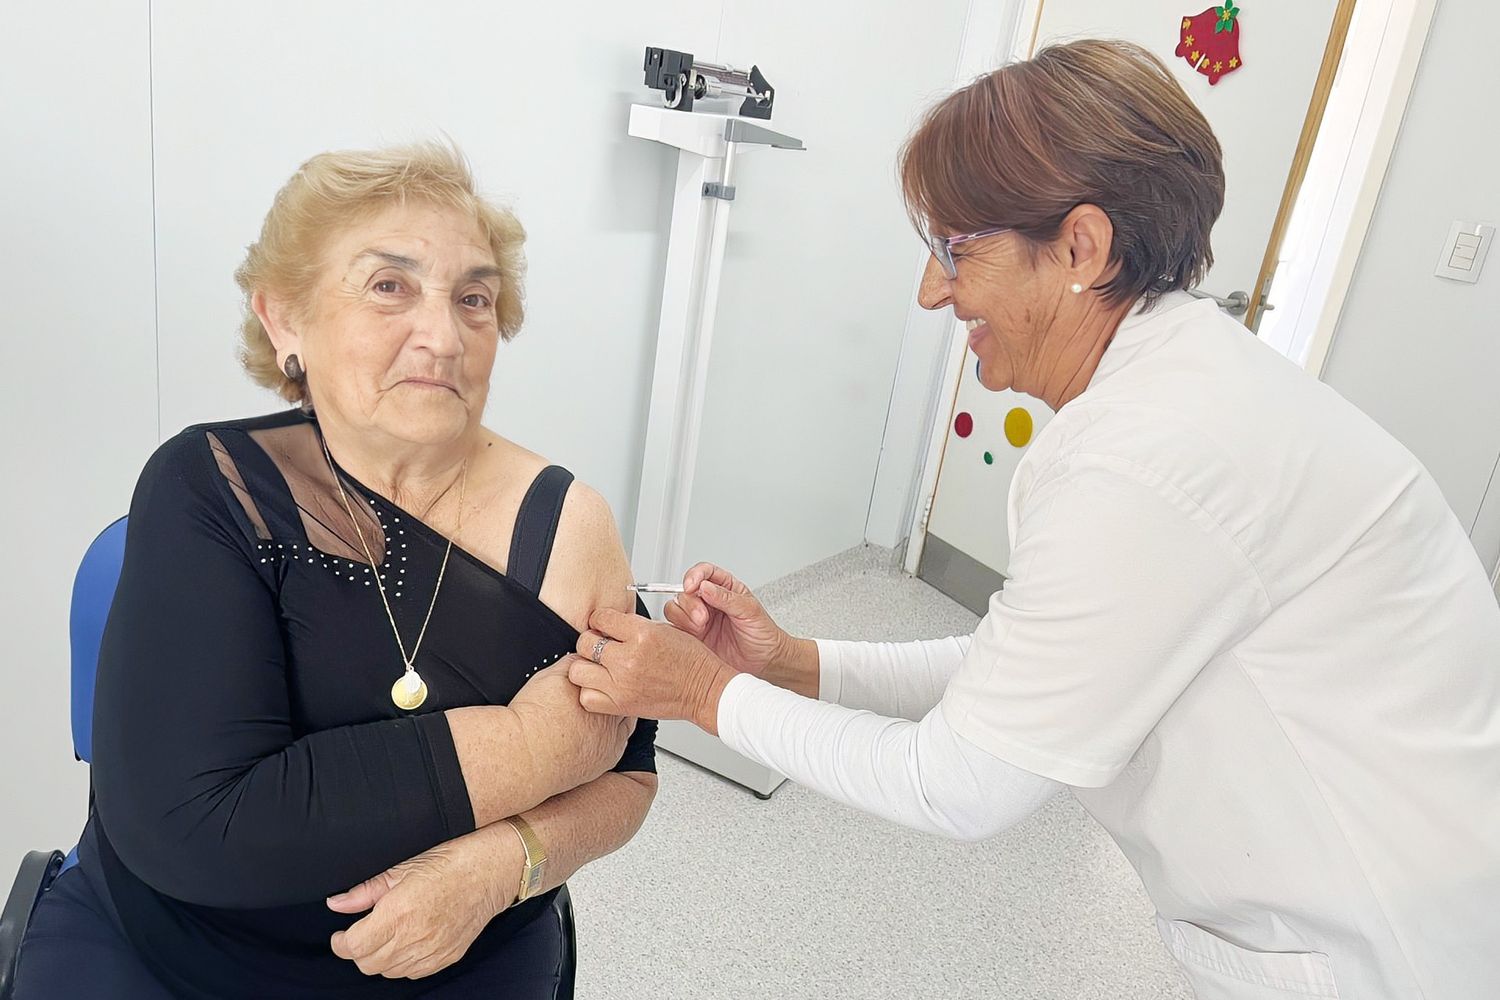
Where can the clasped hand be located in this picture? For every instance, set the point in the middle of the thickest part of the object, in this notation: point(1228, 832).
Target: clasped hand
point(425, 913)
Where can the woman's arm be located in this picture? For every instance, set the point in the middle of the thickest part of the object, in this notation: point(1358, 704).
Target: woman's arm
point(514, 757)
point(588, 823)
point(589, 570)
point(425, 913)
point(203, 787)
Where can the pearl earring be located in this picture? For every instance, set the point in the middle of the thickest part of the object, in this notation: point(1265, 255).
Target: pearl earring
point(1077, 288)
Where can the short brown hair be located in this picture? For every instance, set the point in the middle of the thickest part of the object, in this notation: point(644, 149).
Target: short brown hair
point(1096, 122)
point(334, 190)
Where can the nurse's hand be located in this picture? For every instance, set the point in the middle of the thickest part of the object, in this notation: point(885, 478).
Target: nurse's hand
point(719, 611)
point(648, 670)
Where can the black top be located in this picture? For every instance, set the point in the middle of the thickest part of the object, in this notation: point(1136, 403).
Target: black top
point(249, 761)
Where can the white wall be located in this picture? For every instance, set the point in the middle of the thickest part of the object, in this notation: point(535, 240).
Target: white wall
point(78, 415)
point(1418, 353)
point(993, 31)
point(817, 281)
point(208, 107)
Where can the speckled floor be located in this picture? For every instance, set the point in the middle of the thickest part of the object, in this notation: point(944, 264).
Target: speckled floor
point(722, 895)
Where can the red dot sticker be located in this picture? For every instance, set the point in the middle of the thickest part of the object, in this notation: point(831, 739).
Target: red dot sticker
point(963, 426)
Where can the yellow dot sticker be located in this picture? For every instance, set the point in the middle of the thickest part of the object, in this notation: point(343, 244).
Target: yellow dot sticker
point(1018, 427)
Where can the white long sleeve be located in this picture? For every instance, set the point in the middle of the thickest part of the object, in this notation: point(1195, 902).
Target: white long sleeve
point(919, 774)
point(900, 679)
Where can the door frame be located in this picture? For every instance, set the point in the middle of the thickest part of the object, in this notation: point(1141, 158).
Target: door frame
point(1346, 222)
point(1348, 214)
point(1312, 123)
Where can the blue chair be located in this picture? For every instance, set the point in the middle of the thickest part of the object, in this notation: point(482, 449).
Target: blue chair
point(93, 593)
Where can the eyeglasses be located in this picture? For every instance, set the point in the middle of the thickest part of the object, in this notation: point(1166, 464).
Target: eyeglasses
point(942, 247)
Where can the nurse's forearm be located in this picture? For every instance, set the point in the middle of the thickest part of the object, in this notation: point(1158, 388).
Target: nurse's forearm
point(919, 774)
point(796, 669)
point(902, 680)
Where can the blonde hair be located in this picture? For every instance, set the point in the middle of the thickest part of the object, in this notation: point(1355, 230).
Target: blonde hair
point(334, 190)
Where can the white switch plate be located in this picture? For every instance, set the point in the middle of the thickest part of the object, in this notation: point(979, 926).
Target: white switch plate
point(1464, 251)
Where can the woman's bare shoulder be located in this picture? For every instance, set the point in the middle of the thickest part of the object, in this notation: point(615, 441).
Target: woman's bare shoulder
point(588, 568)
point(505, 464)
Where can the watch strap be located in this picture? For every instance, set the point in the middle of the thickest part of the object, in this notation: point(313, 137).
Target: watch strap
point(536, 858)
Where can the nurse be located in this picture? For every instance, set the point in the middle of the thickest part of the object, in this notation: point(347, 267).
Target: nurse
point(1242, 626)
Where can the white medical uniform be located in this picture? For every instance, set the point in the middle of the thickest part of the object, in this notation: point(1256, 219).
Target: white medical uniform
point(1244, 626)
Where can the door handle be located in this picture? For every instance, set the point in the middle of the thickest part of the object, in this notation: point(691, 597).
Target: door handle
point(1235, 303)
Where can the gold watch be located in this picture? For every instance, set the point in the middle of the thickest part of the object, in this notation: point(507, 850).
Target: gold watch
point(536, 858)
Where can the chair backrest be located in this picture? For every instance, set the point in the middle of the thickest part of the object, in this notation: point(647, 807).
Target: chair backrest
point(93, 592)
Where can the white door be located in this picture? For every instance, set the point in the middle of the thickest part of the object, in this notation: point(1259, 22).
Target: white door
point(1257, 111)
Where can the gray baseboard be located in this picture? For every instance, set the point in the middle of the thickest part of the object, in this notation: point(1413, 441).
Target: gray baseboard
point(962, 577)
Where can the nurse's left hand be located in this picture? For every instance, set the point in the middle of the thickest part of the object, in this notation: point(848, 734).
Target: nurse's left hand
point(426, 912)
point(648, 670)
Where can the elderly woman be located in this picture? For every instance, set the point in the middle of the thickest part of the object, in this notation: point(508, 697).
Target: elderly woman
point(336, 751)
point(1242, 625)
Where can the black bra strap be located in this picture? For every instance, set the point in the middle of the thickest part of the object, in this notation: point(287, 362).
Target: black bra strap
point(536, 527)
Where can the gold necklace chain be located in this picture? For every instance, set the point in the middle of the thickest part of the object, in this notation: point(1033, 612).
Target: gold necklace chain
point(409, 692)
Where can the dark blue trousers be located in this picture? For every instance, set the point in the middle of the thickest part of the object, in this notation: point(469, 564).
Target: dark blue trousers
point(74, 949)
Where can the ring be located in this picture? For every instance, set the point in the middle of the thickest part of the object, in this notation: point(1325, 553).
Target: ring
point(599, 651)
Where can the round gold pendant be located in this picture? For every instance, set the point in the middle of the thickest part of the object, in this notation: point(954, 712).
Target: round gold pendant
point(409, 692)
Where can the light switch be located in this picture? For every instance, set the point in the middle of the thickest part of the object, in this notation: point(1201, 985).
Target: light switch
point(1464, 251)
